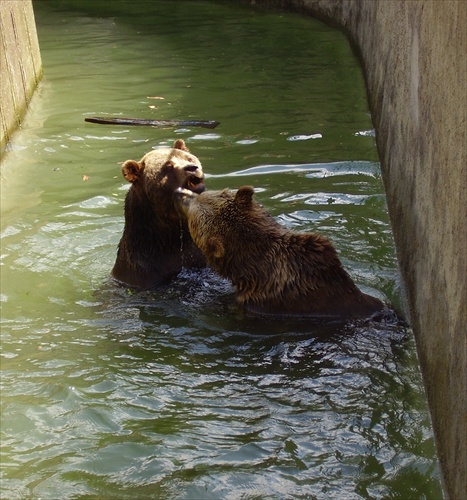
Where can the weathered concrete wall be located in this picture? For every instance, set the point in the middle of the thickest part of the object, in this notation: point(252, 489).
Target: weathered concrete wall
point(414, 59)
point(20, 63)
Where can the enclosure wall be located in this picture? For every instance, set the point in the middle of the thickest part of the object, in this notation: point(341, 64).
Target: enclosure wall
point(20, 63)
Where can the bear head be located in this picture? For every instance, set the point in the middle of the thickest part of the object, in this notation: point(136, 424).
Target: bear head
point(155, 177)
point(217, 220)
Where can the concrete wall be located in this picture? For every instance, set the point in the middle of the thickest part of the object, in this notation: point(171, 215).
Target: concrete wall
point(414, 60)
point(20, 63)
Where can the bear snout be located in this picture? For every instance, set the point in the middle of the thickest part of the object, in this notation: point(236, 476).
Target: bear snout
point(195, 181)
point(191, 168)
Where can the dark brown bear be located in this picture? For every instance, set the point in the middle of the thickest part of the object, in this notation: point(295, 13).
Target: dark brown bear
point(156, 244)
point(275, 270)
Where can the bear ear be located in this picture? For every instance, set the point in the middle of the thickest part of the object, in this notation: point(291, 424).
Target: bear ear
point(132, 170)
point(215, 247)
point(244, 196)
point(180, 144)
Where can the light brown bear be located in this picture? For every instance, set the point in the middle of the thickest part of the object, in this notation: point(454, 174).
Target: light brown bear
point(156, 244)
point(274, 270)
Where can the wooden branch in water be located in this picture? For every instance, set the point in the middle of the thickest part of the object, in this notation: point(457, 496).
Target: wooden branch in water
point(152, 123)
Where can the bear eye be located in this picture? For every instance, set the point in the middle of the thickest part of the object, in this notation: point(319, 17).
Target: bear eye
point(168, 164)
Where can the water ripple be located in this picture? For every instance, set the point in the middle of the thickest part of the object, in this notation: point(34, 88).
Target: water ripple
point(314, 170)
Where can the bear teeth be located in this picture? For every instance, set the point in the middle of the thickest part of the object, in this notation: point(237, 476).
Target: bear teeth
point(193, 182)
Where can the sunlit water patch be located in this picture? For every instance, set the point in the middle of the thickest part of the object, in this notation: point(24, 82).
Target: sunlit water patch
point(108, 392)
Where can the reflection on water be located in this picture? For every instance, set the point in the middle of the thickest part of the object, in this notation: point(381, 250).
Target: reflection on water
point(175, 393)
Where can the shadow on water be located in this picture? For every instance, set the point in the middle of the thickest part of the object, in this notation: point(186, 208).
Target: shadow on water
point(207, 301)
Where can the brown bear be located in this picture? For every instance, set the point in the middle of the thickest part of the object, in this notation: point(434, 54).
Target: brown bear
point(274, 270)
point(156, 243)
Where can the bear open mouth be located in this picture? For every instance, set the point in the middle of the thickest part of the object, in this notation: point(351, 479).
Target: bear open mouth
point(195, 184)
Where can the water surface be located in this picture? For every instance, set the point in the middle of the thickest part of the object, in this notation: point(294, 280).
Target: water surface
point(175, 393)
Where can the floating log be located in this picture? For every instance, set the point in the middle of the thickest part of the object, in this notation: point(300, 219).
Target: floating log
point(152, 123)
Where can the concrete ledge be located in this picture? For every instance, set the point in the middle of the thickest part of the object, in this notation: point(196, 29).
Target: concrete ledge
point(414, 60)
point(20, 63)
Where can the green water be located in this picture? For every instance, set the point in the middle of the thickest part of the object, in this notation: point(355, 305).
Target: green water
point(174, 394)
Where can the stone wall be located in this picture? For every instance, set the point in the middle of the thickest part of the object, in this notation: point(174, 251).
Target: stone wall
point(20, 63)
point(413, 54)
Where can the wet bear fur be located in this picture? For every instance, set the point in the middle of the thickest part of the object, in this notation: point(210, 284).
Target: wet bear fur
point(156, 243)
point(274, 270)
